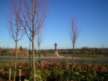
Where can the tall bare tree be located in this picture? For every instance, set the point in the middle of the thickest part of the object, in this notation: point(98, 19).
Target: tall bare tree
point(33, 16)
point(74, 33)
point(15, 28)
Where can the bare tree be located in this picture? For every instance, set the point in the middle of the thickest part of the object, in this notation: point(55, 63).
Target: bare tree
point(15, 28)
point(74, 33)
point(33, 16)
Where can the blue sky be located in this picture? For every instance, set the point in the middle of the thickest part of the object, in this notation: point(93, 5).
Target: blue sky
point(91, 18)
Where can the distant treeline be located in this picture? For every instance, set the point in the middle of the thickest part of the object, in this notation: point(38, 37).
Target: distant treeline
point(85, 51)
point(50, 52)
point(88, 51)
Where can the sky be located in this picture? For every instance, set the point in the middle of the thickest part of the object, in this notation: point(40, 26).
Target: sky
point(91, 20)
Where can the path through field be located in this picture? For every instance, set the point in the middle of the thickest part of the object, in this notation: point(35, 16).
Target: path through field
point(83, 60)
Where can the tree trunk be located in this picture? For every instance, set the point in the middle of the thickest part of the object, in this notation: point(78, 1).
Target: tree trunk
point(20, 71)
point(33, 57)
point(10, 73)
point(73, 45)
point(33, 38)
point(15, 60)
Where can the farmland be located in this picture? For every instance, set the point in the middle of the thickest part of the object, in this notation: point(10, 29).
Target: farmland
point(69, 66)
